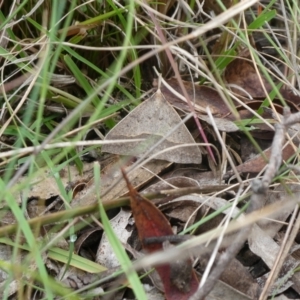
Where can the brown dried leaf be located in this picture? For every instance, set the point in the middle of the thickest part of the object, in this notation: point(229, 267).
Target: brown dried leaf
point(150, 222)
point(241, 72)
point(181, 210)
point(86, 237)
point(152, 120)
point(267, 249)
point(256, 164)
point(292, 100)
point(111, 176)
point(201, 97)
point(45, 186)
point(222, 291)
point(281, 192)
point(237, 276)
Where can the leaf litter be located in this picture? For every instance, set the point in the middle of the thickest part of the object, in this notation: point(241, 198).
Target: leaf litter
point(113, 171)
point(187, 195)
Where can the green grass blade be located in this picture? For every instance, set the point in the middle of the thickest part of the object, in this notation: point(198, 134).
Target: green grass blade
point(118, 248)
point(81, 79)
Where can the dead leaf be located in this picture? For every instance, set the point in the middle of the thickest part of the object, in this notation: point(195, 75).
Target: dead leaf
point(222, 291)
point(148, 219)
point(235, 275)
point(88, 236)
point(105, 255)
point(241, 72)
point(111, 176)
point(201, 97)
point(182, 211)
point(45, 186)
point(293, 100)
point(153, 120)
point(150, 222)
point(222, 124)
point(267, 249)
point(281, 192)
point(256, 164)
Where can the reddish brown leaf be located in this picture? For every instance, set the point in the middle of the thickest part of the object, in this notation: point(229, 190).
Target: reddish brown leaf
point(242, 73)
point(291, 99)
point(178, 278)
point(256, 164)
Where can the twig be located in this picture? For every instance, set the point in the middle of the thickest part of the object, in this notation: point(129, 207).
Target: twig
point(259, 189)
point(232, 250)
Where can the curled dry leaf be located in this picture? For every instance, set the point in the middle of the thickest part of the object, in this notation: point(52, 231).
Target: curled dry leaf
point(242, 73)
point(87, 237)
point(105, 255)
point(153, 120)
point(150, 222)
